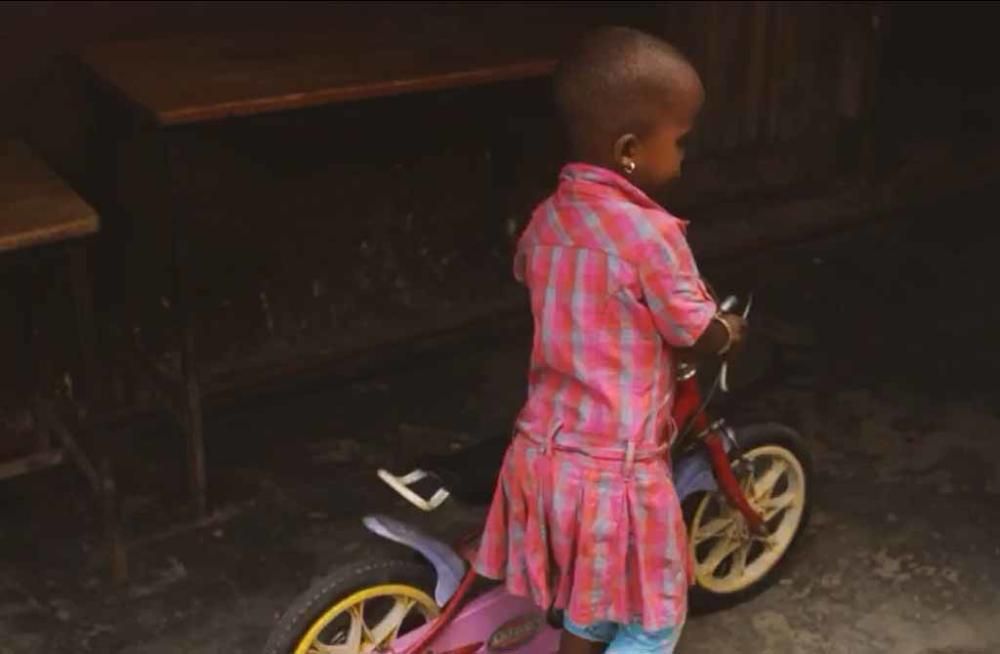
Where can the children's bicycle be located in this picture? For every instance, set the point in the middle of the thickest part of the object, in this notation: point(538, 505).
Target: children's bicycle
point(745, 492)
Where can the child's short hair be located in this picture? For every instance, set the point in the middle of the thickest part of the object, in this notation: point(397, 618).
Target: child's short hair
point(613, 84)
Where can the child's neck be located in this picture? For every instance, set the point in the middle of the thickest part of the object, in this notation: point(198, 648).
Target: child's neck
point(611, 167)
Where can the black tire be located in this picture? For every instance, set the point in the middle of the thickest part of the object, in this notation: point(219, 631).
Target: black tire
point(703, 600)
point(339, 585)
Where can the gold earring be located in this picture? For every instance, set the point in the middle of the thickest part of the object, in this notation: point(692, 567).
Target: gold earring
point(628, 165)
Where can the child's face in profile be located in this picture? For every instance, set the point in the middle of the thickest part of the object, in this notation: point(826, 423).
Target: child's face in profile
point(659, 153)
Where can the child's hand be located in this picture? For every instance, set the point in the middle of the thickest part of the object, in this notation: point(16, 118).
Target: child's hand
point(723, 337)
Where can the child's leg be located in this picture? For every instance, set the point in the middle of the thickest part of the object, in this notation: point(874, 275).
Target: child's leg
point(586, 640)
point(633, 639)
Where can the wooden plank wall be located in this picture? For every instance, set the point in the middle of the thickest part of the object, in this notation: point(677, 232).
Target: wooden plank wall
point(320, 240)
point(776, 70)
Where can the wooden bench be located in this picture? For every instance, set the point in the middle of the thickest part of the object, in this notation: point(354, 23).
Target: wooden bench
point(42, 217)
point(196, 79)
point(36, 207)
point(181, 82)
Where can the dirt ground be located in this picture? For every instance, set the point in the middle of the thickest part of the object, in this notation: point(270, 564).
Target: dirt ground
point(885, 359)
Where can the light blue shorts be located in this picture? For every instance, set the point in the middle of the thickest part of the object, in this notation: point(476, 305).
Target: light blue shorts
point(627, 639)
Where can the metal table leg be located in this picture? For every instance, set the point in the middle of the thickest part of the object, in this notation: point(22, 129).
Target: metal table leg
point(64, 425)
point(192, 421)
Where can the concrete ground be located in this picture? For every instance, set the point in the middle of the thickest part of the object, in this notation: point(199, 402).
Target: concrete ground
point(886, 362)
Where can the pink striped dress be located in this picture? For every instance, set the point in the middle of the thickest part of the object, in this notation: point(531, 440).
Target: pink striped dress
point(585, 515)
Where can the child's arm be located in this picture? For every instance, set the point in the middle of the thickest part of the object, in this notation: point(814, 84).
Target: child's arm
point(724, 335)
point(684, 312)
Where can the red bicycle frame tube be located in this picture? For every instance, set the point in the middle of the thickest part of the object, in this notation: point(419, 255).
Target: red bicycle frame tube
point(687, 415)
point(686, 406)
point(729, 485)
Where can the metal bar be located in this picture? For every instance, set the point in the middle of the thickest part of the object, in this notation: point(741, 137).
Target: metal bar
point(117, 553)
point(195, 422)
point(39, 365)
point(80, 283)
point(182, 260)
point(30, 463)
point(47, 413)
point(103, 485)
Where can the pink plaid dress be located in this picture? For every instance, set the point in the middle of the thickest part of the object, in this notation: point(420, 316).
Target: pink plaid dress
point(585, 515)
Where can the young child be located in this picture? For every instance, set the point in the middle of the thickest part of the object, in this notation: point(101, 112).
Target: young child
point(585, 516)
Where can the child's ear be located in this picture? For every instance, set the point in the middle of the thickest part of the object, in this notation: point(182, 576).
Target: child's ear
point(626, 151)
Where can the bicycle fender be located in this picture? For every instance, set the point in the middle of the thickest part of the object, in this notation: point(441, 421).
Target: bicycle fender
point(448, 565)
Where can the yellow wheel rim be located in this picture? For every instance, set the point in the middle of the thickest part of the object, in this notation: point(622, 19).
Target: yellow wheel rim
point(727, 556)
point(356, 630)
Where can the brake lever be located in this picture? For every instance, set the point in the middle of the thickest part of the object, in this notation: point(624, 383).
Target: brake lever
point(724, 373)
point(746, 309)
point(727, 305)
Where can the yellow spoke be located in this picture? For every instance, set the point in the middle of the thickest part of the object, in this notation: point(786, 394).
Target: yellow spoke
point(355, 635)
point(351, 633)
point(711, 529)
point(719, 553)
point(763, 486)
point(388, 628)
point(739, 562)
point(774, 505)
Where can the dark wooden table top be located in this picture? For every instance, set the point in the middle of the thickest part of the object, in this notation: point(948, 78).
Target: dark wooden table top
point(36, 206)
point(187, 79)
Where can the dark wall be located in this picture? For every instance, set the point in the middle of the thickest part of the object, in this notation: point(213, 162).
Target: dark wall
point(938, 72)
point(337, 230)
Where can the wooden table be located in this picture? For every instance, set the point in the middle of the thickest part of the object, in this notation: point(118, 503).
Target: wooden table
point(195, 79)
point(41, 215)
point(36, 207)
point(41, 219)
point(180, 82)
